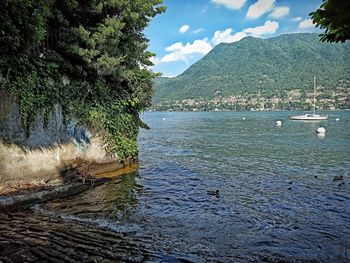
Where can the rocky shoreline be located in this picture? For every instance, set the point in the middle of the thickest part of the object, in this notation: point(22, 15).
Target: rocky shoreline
point(28, 236)
point(28, 193)
point(33, 237)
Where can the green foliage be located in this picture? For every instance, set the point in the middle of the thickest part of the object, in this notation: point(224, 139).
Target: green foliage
point(22, 24)
point(118, 125)
point(269, 67)
point(33, 83)
point(98, 45)
point(334, 17)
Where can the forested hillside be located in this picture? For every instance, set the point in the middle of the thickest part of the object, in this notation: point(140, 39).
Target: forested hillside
point(269, 67)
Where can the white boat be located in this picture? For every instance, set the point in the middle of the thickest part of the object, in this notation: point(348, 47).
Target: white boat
point(310, 116)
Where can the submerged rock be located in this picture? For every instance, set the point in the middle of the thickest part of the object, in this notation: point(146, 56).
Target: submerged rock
point(29, 193)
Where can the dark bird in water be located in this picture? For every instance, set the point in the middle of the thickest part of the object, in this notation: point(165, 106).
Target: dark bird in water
point(212, 192)
point(337, 178)
point(341, 184)
point(289, 188)
point(315, 176)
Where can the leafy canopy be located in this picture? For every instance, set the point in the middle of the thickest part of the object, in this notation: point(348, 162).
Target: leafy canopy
point(334, 17)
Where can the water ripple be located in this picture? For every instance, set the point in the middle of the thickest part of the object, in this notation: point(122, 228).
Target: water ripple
point(277, 198)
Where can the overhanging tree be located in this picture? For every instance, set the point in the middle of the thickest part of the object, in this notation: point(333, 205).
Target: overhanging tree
point(334, 17)
point(99, 46)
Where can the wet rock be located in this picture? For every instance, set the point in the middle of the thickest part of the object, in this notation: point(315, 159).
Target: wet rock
point(61, 241)
point(48, 193)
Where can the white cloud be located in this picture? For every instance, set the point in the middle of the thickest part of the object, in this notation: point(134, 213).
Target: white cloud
point(184, 28)
point(297, 19)
point(269, 27)
point(179, 51)
point(173, 47)
point(169, 76)
point(196, 31)
point(259, 8)
point(307, 23)
point(231, 4)
point(190, 52)
point(226, 36)
point(154, 60)
point(279, 12)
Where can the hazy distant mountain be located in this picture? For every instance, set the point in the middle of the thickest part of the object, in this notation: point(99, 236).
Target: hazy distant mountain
point(266, 66)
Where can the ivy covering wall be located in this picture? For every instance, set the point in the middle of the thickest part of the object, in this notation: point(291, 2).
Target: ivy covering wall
point(89, 56)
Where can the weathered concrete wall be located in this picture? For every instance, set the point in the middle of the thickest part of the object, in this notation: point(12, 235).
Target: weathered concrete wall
point(46, 152)
point(12, 131)
point(46, 164)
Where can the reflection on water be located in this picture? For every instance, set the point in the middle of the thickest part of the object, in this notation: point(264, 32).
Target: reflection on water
point(321, 135)
point(125, 170)
point(278, 200)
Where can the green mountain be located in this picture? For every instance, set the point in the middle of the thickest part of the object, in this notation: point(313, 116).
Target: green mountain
point(159, 81)
point(269, 67)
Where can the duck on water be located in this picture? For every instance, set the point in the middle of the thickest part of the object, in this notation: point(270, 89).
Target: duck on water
point(213, 192)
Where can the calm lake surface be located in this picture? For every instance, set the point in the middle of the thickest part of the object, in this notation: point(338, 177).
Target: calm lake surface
point(278, 200)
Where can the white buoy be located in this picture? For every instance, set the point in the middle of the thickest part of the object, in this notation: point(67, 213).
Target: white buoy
point(243, 118)
point(337, 119)
point(279, 123)
point(321, 130)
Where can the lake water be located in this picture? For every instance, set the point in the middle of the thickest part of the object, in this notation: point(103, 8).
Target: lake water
point(278, 200)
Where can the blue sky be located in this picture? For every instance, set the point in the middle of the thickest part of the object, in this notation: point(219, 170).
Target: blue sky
point(191, 28)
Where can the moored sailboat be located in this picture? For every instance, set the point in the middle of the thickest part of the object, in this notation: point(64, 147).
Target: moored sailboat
point(310, 116)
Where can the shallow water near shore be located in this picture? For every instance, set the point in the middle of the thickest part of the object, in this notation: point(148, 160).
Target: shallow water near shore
point(278, 200)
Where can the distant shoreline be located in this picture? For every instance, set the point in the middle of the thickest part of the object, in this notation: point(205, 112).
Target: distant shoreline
point(275, 110)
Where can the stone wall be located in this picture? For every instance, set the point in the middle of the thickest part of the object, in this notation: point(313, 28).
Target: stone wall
point(47, 152)
point(12, 131)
